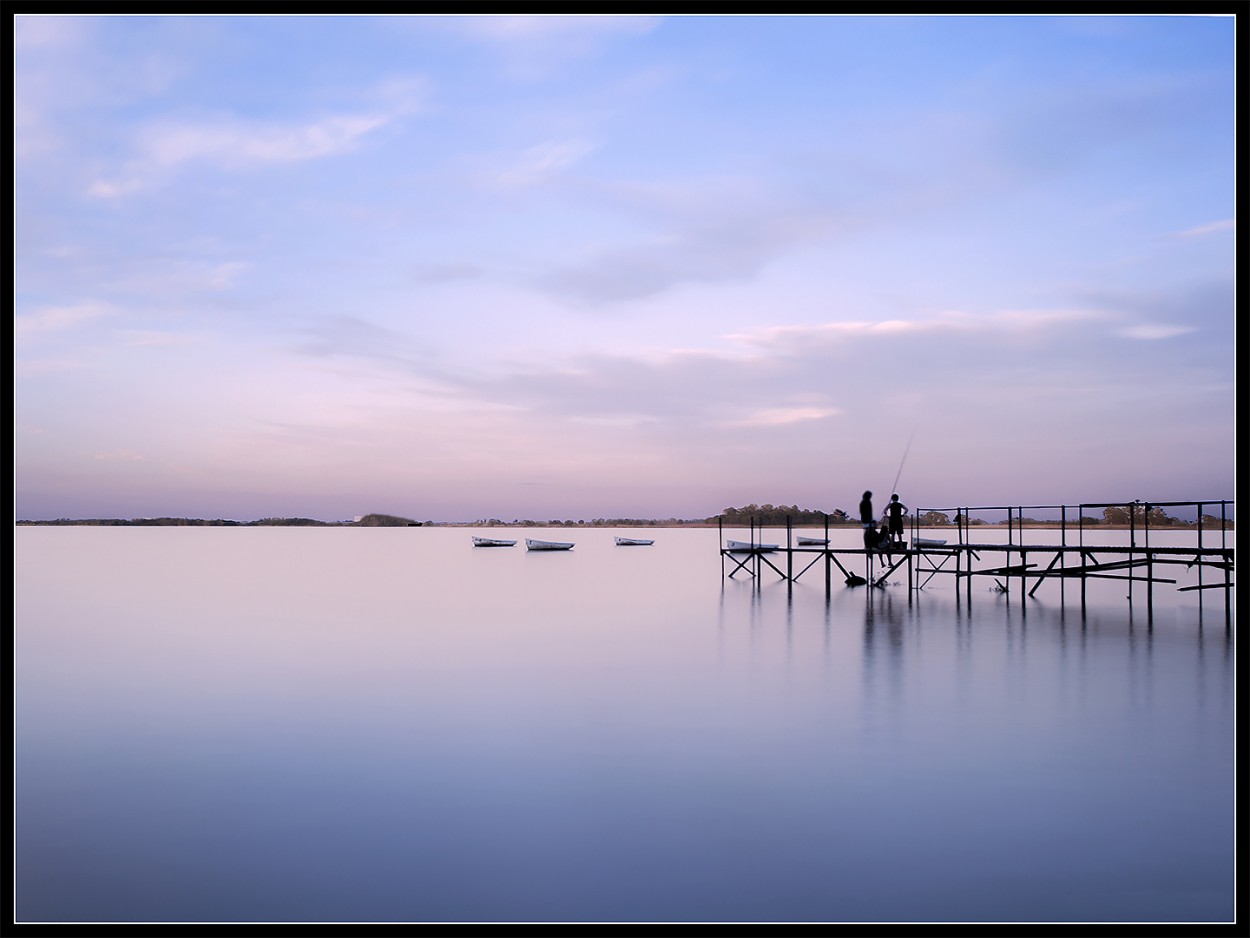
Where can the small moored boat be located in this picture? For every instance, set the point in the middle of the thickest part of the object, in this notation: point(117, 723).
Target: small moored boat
point(928, 542)
point(533, 544)
point(747, 545)
point(633, 542)
point(813, 541)
point(492, 542)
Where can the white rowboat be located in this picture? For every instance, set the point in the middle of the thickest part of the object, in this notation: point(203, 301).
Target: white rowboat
point(928, 541)
point(747, 545)
point(813, 541)
point(633, 542)
point(492, 542)
point(532, 544)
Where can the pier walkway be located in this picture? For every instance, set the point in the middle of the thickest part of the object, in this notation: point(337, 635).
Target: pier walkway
point(1208, 564)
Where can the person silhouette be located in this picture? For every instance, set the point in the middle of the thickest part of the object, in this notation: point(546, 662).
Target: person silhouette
point(868, 520)
point(895, 511)
point(883, 543)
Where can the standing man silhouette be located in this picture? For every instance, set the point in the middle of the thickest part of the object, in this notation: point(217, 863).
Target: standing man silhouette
point(896, 510)
point(868, 520)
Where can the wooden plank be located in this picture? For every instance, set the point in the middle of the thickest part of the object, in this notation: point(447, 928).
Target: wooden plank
point(1045, 573)
point(881, 579)
point(741, 563)
point(770, 563)
point(1085, 570)
point(834, 557)
point(815, 561)
point(1137, 579)
point(1005, 571)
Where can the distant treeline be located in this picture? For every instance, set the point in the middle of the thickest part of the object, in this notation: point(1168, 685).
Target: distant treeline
point(151, 522)
point(780, 514)
point(385, 521)
point(367, 521)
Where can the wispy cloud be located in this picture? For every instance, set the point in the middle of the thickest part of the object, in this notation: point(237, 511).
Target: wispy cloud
point(539, 163)
point(1210, 228)
point(235, 144)
point(1154, 331)
point(1208, 303)
point(241, 144)
point(708, 230)
point(712, 230)
point(1005, 322)
point(53, 319)
point(782, 416)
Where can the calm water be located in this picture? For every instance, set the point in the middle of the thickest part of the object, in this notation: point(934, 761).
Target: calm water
point(372, 725)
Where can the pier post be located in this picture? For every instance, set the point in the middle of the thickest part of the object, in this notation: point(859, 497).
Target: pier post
point(789, 553)
point(1228, 570)
point(1084, 559)
point(759, 570)
point(1150, 567)
point(1024, 572)
point(1011, 540)
point(720, 536)
point(968, 558)
point(828, 561)
point(1200, 553)
point(1132, 546)
point(958, 567)
point(1024, 583)
point(1063, 556)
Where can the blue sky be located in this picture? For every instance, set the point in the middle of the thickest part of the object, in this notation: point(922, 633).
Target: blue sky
point(577, 267)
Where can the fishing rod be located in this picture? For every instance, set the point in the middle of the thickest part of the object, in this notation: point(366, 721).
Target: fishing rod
point(906, 450)
point(898, 475)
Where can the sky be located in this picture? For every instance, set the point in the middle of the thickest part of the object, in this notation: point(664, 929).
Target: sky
point(579, 267)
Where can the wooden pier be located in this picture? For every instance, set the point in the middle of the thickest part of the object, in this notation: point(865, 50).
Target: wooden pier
point(1014, 564)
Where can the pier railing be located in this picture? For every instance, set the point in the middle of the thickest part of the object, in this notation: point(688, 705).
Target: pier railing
point(1136, 516)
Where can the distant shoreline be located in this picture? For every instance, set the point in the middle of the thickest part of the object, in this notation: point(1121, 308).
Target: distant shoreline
point(375, 521)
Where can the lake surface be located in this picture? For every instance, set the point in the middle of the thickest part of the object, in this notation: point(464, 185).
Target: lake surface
point(389, 725)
